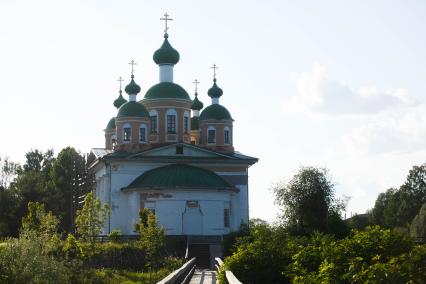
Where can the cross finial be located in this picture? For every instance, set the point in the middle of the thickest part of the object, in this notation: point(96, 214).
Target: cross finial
point(165, 19)
point(196, 82)
point(133, 63)
point(120, 80)
point(214, 67)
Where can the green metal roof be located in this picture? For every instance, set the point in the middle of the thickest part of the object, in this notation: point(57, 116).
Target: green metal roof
point(215, 111)
point(119, 101)
point(194, 123)
point(134, 109)
point(132, 88)
point(215, 91)
point(179, 176)
point(167, 90)
point(166, 54)
point(111, 123)
point(196, 104)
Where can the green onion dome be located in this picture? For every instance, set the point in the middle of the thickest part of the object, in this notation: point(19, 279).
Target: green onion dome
point(111, 124)
point(134, 109)
point(167, 90)
point(132, 88)
point(166, 54)
point(215, 111)
point(196, 104)
point(120, 101)
point(194, 123)
point(215, 91)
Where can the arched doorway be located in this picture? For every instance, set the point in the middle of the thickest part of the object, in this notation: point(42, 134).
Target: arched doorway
point(192, 219)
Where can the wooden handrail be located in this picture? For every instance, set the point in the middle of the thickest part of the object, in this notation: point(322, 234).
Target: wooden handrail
point(179, 273)
point(230, 277)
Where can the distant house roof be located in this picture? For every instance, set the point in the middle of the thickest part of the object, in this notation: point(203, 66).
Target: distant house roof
point(179, 176)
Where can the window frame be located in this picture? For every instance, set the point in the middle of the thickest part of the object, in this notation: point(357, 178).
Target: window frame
point(173, 124)
point(127, 126)
point(143, 126)
point(209, 129)
point(153, 122)
point(227, 130)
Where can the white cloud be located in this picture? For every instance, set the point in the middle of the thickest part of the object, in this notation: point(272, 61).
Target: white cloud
point(402, 130)
point(318, 93)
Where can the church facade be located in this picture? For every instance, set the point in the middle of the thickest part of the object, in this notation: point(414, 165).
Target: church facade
point(167, 153)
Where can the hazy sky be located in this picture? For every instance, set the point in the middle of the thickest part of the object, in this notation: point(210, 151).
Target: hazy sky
point(335, 84)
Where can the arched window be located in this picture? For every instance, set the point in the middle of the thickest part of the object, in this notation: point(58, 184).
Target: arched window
point(127, 132)
point(142, 133)
point(153, 114)
point(211, 135)
point(171, 122)
point(186, 122)
point(113, 140)
point(227, 135)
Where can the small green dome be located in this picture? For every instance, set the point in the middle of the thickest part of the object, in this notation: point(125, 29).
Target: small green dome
point(119, 101)
point(194, 123)
point(167, 90)
point(215, 111)
point(134, 109)
point(132, 88)
point(111, 124)
point(196, 104)
point(166, 54)
point(215, 91)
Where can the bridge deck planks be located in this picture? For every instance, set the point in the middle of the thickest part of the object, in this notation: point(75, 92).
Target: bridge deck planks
point(203, 276)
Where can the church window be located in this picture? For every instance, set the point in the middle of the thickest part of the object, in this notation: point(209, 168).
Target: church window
point(127, 133)
point(171, 121)
point(211, 135)
point(226, 135)
point(142, 133)
point(113, 140)
point(186, 122)
point(179, 149)
point(154, 124)
point(154, 121)
point(226, 218)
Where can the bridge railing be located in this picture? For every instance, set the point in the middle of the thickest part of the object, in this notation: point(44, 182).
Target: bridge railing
point(230, 277)
point(180, 275)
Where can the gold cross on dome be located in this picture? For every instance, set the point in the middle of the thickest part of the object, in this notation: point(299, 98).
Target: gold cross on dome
point(120, 80)
point(214, 67)
point(196, 82)
point(133, 63)
point(165, 19)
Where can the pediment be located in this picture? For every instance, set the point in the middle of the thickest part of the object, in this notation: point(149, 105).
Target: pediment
point(186, 150)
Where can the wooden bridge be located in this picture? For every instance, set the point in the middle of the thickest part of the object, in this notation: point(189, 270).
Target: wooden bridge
point(190, 274)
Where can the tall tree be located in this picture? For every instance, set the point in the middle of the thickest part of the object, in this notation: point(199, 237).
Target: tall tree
point(398, 206)
point(68, 164)
point(308, 200)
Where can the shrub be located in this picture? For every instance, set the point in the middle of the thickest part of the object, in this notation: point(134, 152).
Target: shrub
point(115, 236)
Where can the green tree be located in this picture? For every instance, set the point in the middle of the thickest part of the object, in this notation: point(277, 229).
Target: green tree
point(418, 225)
point(152, 241)
point(397, 207)
point(308, 200)
point(90, 219)
point(39, 221)
point(68, 164)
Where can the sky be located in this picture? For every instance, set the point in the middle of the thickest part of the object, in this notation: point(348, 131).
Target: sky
point(333, 84)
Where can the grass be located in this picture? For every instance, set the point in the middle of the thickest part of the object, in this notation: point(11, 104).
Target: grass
point(114, 276)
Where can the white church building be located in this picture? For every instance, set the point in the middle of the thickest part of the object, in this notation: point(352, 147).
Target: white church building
point(164, 152)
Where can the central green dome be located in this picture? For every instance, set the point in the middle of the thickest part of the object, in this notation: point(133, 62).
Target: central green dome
point(167, 90)
point(215, 111)
point(196, 104)
point(166, 54)
point(134, 109)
